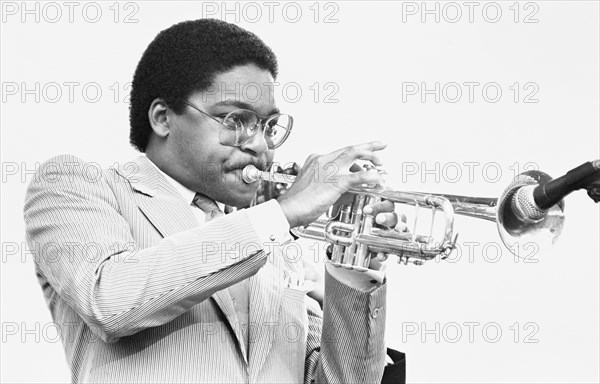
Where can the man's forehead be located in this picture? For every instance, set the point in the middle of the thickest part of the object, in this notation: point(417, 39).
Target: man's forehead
point(248, 91)
point(248, 84)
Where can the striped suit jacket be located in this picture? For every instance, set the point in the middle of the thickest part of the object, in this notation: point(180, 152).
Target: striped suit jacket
point(140, 292)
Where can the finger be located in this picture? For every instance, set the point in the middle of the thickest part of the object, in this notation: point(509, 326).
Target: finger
point(388, 219)
point(367, 151)
point(379, 207)
point(363, 151)
point(375, 264)
point(363, 177)
point(401, 227)
point(373, 157)
point(346, 156)
point(372, 145)
point(352, 154)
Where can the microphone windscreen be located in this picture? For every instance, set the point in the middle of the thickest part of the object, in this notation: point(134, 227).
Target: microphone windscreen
point(523, 205)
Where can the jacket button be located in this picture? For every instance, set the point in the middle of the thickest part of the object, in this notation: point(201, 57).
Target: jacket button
point(375, 313)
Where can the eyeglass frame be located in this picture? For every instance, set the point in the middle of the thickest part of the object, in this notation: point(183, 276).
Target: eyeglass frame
point(261, 122)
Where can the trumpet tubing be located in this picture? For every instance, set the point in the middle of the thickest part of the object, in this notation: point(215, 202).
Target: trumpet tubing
point(355, 239)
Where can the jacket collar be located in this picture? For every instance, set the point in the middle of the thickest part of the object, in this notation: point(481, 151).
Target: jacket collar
point(145, 177)
point(160, 202)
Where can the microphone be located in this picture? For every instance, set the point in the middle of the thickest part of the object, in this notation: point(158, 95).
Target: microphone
point(524, 206)
point(584, 176)
point(530, 202)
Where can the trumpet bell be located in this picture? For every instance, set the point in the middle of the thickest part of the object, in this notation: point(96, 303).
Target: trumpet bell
point(525, 238)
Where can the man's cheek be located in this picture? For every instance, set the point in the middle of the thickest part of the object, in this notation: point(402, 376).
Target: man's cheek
point(211, 172)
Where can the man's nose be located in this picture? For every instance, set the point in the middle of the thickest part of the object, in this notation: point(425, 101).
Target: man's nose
point(257, 143)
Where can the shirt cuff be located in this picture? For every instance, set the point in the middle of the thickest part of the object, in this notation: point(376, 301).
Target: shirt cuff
point(363, 281)
point(269, 223)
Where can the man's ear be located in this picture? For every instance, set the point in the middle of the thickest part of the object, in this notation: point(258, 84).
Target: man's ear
point(158, 117)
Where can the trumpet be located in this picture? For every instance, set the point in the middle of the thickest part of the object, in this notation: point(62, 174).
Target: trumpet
point(355, 239)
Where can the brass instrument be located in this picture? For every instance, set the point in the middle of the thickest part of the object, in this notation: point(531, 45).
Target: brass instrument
point(356, 239)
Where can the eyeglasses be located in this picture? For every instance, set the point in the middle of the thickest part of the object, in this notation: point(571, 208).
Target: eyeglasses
point(241, 125)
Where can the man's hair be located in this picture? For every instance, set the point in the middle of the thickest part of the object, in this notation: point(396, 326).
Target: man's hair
point(184, 59)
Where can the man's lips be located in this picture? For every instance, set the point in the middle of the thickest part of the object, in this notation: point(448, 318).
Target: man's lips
point(239, 167)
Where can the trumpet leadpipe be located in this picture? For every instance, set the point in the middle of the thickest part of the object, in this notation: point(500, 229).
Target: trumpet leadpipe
point(250, 174)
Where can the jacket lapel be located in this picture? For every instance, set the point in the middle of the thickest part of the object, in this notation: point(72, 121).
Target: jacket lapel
point(224, 301)
point(266, 292)
point(166, 209)
point(158, 200)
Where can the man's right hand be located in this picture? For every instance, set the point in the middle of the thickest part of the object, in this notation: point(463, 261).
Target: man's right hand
point(325, 178)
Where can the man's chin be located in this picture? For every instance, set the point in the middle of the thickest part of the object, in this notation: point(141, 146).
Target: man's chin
point(238, 201)
point(238, 197)
point(235, 192)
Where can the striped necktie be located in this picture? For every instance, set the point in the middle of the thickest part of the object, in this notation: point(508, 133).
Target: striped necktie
point(208, 206)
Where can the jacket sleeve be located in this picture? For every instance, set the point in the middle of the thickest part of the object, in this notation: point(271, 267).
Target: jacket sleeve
point(85, 250)
point(346, 343)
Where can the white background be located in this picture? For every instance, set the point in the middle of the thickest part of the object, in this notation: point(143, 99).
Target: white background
point(368, 50)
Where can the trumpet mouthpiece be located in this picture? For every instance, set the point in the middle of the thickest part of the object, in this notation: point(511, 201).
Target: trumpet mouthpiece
point(250, 174)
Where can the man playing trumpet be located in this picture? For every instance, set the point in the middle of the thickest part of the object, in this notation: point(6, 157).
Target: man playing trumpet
point(177, 291)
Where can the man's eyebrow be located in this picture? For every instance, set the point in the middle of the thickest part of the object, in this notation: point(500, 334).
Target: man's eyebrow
point(242, 105)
